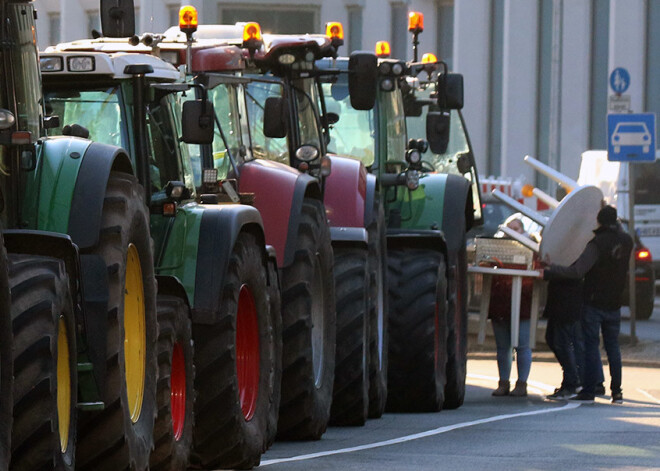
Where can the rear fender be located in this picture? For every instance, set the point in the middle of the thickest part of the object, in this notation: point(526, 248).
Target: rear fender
point(369, 216)
point(279, 193)
point(349, 237)
point(198, 248)
point(88, 283)
point(345, 193)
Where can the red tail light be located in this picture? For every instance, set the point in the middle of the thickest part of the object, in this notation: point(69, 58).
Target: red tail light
point(643, 255)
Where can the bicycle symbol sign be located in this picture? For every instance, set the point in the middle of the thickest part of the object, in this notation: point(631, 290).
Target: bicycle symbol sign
point(619, 80)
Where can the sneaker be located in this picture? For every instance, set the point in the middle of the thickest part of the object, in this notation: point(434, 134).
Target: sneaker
point(600, 390)
point(582, 397)
point(617, 398)
point(560, 394)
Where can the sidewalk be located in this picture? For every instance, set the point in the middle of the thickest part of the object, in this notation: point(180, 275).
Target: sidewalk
point(646, 352)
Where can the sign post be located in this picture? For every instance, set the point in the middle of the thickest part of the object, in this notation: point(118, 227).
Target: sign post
point(631, 139)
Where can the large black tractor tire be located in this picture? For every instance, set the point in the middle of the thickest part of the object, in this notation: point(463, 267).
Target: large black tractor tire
point(457, 328)
point(120, 437)
point(418, 330)
point(350, 397)
point(45, 368)
point(275, 301)
point(378, 311)
point(6, 368)
point(309, 330)
point(234, 366)
point(173, 431)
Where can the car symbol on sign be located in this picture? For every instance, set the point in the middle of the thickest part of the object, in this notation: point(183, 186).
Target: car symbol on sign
point(631, 134)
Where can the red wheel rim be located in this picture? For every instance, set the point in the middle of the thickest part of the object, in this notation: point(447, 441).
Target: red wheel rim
point(178, 391)
point(247, 352)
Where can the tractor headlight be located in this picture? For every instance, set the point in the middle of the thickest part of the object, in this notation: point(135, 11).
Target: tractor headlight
point(7, 119)
point(387, 85)
point(307, 153)
point(413, 156)
point(51, 64)
point(397, 69)
point(286, 59)
point(80, 64)
point(385, 68)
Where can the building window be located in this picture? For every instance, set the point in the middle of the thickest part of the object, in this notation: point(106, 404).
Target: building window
point(273, 18)
point(173, 14)
point(599, 73)
point(652, 92)
point(54, 28)
point(354, 28)
point(445, 39)
point(494, 165)
point(93, 22)
point(399, 30)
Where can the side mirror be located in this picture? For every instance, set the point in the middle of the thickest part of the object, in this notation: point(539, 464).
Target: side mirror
point(197, 122)
point(450, 91)
point(362, 80)
point(437, 131)
point(276, 117)
point(331, 118)
point(117, 18)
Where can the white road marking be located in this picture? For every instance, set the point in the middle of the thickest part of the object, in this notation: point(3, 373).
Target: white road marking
point(650, 396)
point(416, 436)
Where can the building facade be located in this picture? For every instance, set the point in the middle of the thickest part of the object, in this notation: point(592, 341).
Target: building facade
point(536, 71)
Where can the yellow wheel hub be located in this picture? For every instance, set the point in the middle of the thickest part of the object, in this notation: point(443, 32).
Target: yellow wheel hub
point(135, 341)
point(63, 385)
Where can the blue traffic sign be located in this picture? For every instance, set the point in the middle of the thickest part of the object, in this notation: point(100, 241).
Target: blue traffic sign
point(619, 80)
point(631, 137)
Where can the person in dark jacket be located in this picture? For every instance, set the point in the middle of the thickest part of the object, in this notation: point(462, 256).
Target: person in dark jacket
point(563, 311)
point(604, 266)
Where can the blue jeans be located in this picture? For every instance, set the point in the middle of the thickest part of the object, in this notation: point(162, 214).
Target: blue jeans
point(609, 323)
point(502, 331)
point(562, 338)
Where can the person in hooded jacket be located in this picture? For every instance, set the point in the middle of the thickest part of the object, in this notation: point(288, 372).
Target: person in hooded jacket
point(604, 266)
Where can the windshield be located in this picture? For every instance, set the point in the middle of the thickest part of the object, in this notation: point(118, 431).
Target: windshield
point(225, 104)
point(647, 182)
point(98, 110)
point(393, 118)
point(264, 147)
point(354, 134)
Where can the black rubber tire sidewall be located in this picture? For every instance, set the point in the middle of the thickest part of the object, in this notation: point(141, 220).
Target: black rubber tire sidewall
point(109, 440)
point(40, 297)
point(222, 436)
point(174, 327)
point(417, 330)
point(6, 369)
point(275, 303)
point(350, 399)
point(378, 349)
point(305, 408)
point(457, 329)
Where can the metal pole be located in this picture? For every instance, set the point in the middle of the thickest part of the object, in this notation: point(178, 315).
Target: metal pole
point(632, 296)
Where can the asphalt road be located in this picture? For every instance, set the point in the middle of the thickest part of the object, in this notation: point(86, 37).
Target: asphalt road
point(497, 433)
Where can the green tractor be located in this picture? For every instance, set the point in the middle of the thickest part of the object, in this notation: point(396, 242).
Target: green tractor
point(430, 204)
point(80, 272)
point(213, 266)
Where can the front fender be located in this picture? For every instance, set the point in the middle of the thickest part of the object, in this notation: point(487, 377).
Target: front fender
point(279, 191)
point(197, 251)
point(66, 191)
point(345, 193)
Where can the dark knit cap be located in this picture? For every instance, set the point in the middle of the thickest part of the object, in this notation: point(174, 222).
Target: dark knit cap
point(607, 216)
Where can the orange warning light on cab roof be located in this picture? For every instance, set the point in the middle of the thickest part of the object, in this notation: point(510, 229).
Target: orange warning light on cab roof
point(383, 49)
point(252, 32)
point(334, 30)
point(415, 22)
point(429, 58)
point(187, 18)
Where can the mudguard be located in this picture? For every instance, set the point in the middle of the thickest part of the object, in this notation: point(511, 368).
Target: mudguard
point(440, 201)
point(372, 188)
point(345, 193)
point(197, 251)
point(279, 191)
point(419, 239)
